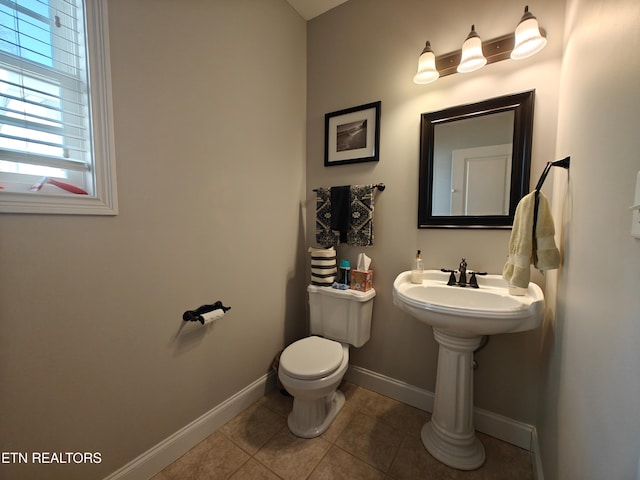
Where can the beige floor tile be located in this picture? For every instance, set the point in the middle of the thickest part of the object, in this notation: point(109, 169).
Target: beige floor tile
point(214, 458)
point(340, 465)
point(348, 389)
point(278, 402)
point(402, 417)
point(341, 422)
point(397, 414)
point(252, 470)
point(181, 468)
point(413, 462)
point(373, 437)
point(504, 462)
point(365, 401)
point(254, 427)
point(290, 457)
point(371, 440)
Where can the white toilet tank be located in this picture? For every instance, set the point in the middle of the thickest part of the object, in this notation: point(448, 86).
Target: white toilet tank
point(341, 315)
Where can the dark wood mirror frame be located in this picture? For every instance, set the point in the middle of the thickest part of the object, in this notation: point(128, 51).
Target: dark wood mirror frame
point(522, 105)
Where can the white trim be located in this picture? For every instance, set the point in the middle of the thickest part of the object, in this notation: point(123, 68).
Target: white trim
point(176, 445)
point(99, 57)
point(538, 473)
point(498, 426)
point(503, 428)
point(104, 200)
point(173, 447)
point(390, 387)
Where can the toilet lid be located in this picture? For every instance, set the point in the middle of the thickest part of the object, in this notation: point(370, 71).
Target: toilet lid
point(311, 357)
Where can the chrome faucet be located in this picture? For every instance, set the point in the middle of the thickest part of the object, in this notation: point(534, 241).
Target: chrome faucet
point(462, 279)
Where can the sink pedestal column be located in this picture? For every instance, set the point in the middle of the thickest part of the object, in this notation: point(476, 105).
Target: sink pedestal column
point(450, 436)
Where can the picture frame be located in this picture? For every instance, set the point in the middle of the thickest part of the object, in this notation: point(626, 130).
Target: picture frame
point(352, 135)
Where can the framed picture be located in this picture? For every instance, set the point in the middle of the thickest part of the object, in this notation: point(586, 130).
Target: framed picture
point(352, 135)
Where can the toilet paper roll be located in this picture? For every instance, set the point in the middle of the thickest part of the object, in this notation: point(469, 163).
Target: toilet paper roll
point(212, 316)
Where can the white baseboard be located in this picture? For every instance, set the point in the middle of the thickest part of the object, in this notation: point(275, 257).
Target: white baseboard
point(498, 426)
point(538, 474)
point(176, 445)
point(173, 447)
point(390, 387)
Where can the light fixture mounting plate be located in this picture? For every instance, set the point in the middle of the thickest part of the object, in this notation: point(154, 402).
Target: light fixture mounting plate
point(495, 50)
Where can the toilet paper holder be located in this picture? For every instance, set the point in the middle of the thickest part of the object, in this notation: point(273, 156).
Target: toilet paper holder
point(205, 313)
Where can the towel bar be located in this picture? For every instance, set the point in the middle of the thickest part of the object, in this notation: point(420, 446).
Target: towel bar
point(379, 186)
point(564, 163)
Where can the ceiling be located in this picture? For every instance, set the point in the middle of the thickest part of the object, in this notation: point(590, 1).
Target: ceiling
point(309, 9)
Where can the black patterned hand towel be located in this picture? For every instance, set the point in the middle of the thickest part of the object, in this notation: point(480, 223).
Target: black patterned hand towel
point(360, 232)
point(341, 198)
point(325, 236)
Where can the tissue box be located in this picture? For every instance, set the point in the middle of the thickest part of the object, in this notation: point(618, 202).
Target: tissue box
point(362, 280)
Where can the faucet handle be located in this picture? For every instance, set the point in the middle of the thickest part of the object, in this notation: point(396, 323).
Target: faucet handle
point(452, 277)
point(473, 281)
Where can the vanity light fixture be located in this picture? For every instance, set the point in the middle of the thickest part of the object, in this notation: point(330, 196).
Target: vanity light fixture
point(472, 57)
point(527, 40)
point(427, 72)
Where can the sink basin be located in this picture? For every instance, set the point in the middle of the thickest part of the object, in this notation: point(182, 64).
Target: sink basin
point(487, 310)
point(460, 318)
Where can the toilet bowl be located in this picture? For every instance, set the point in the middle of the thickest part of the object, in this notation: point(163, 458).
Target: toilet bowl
point(311, 370)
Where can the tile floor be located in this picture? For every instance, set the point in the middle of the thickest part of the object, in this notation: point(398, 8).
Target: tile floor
point(373, 437)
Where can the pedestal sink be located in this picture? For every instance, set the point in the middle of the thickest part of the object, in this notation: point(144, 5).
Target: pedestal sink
point(460, 317)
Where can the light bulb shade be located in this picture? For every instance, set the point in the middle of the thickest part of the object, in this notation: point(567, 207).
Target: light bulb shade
point(472, 56)
point(427, 71)
point(529, 40)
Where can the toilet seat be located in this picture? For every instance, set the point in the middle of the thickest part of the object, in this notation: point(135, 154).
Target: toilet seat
point(311, 358)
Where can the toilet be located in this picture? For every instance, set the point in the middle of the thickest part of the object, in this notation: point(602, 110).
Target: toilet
point(312, 368)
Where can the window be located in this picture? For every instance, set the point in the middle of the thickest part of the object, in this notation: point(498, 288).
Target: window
point(56, 134)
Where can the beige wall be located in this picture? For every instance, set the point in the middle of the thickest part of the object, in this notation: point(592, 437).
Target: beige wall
point(210, 98)
point(590, 417)
point(209, 102)
point(364, 51)
point(576, 378)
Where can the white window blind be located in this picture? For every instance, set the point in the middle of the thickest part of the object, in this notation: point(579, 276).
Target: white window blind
point(46, 118)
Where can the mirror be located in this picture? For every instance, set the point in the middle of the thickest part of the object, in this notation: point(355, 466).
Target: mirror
point(474, 163)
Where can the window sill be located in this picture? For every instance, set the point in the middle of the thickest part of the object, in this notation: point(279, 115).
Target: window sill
point(46, 202)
